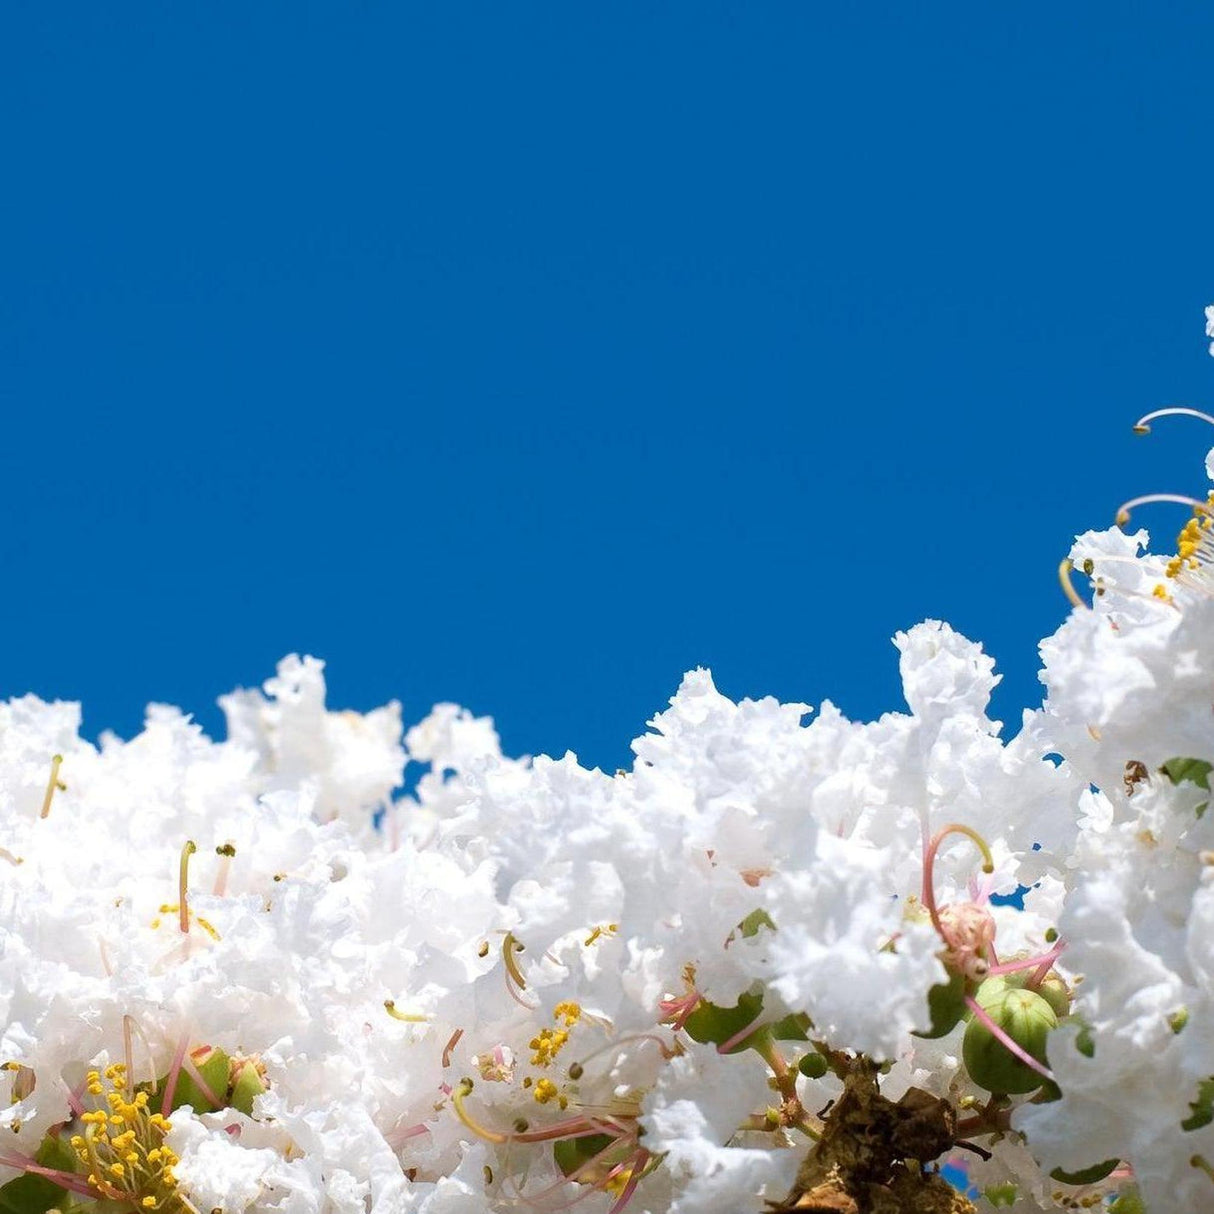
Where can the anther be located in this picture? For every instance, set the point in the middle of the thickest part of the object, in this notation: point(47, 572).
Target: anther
point(226, 853)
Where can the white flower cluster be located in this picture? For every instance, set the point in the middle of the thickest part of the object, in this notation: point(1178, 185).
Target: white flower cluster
point(761, 969)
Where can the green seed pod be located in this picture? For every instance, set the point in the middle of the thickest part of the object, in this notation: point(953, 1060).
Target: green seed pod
point(1056, 993)
point(1052, 989)
point(1026, 1018)
point(946, 1003)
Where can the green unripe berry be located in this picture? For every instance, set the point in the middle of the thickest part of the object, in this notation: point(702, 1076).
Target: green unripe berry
point(812, 1066)
point(1027, 1018)
point(1052, 989)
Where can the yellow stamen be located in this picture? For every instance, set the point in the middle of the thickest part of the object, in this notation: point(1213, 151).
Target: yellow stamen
point(462, 1091)
point(53, 783)
point(183, 882)
point(1068, 587)
point(510, 947)
point(408, 1017)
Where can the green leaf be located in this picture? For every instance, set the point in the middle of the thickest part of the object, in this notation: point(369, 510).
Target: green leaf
point(1084, 1042)
point(574, 1153)
point(794, 1027)
point(1203, 1107)
point(710, 1023)
point(1000, 1194)
point(1128, 1202)
point(1191, 771)
point(1098, 1171)
point(946, 1005)
point(753, 922)
point(32, 1194)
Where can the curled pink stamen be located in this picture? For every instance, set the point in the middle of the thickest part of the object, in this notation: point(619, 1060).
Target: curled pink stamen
point(929, 866)
point(638, 1166)
point(1040, 964)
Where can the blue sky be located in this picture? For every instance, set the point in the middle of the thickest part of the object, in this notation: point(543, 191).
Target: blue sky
point(527, 355)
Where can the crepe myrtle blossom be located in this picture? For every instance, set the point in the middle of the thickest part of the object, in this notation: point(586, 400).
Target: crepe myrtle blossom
point(772, 965)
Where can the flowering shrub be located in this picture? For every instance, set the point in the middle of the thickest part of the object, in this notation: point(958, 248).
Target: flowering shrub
point(762, 969)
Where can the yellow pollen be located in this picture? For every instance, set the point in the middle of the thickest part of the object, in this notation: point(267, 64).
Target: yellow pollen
point(546, 1045)
point(568, 1011)
point(546, 1091)
point(122, 1149)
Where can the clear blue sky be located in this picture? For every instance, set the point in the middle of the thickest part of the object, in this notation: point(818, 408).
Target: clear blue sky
point(527, 355)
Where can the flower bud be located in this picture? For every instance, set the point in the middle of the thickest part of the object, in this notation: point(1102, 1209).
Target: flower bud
point(247, 1082)
point(1027, 1018)
point(1052, 988)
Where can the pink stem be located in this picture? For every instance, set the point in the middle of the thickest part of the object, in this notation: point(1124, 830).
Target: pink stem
point(73, 1098)
point(641, 1160)
point(397, 1138)
point(1041, 962)
point(196, 1075)
point(65, 1180)
point(170, 1082)
point(740, 1035)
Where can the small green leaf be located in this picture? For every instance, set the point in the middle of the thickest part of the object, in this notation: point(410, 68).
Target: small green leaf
point(1128, 1202)
point(946, 1004)
point(1203, 1107)
point(32, 1194)
point(1084, 1042)
point(794, 1027)
point(1192, 771)
point(571, 1154)
point(1000, 1195)
point(757, 919)
point(1098, 1171)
